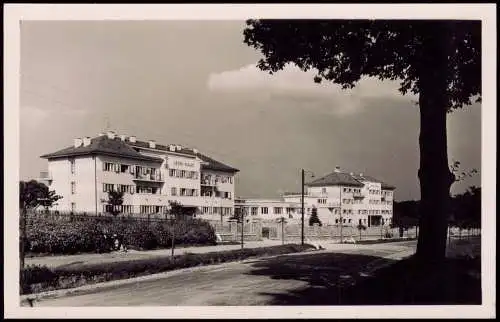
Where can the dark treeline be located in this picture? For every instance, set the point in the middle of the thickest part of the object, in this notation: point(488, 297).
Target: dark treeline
point(464, 210)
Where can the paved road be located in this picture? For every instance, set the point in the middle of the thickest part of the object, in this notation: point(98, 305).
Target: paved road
point(268, 281)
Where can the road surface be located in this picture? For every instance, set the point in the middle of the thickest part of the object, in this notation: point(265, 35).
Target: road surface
point(269, 281)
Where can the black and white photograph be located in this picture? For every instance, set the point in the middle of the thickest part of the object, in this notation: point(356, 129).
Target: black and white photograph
point(325, 161)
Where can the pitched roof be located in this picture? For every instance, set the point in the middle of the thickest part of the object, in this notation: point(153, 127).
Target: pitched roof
point(346, 179)
point(161, 147)
point(335, 179)
point(102, 145)
point(116, 147)
point(212, 164)
point(372, 179)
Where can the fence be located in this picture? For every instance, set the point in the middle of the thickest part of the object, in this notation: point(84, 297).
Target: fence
point(293, 232)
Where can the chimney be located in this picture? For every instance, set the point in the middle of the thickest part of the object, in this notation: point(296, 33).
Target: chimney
point(100, 134)
point(178, 147)
point(351, 173)
point(171, 147)
point(111, 134)
point(77, 142)
point(152, 144)
point(132, 139)
point(86, 141)
point(195, 151)
point(123, 137)
point(337, 169)
point(361, 174)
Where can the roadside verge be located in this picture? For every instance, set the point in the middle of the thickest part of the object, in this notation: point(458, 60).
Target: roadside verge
point(44, 282)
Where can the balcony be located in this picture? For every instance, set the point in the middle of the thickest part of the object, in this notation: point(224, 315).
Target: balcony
point(357, 195)
point(210, 183)
point(148, 177)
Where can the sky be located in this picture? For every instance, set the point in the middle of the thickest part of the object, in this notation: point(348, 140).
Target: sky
point(196, 83)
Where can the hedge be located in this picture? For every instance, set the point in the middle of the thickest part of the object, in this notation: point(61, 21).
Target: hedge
point(48, 236)
point(40, 278)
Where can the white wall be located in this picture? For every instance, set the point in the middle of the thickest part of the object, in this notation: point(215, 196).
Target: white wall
point(84, 178)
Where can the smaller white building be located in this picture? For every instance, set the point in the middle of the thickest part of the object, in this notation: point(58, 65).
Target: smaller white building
point(339, 197)
point(268, 209)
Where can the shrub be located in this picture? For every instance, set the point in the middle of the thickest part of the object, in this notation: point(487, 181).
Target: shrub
point(36, 274)
point(62, 236)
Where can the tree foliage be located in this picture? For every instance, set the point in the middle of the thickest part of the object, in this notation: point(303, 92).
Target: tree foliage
point(314, 219)
point(466, 208)
point(438, 60)
point(115, 199)
point(33, 194)
point(179, 211)
point(343, 51)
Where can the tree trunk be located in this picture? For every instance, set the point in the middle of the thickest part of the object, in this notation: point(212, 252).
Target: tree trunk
point(434, 173)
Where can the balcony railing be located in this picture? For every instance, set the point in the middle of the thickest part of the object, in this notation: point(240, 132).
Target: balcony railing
point(149, 177)
point(357, 195)
point(211, 183)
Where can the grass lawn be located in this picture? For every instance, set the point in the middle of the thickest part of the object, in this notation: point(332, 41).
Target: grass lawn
point(39, 279)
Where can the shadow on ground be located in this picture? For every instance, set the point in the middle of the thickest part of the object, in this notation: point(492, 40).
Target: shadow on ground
point(341, 279)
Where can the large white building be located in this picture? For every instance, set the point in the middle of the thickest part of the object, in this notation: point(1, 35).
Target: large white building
point(339, 197)
point(149, 174)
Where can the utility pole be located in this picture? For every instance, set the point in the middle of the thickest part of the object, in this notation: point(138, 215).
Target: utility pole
point(282, 221)
point(302, 200)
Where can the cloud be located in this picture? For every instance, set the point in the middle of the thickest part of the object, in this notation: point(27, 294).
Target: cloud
point(293, 83)
point(33, 116)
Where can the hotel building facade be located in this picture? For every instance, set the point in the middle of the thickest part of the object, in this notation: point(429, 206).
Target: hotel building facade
point(149, 174)
point(339, 197)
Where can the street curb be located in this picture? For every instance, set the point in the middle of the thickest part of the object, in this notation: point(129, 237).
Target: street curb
point(90, 288)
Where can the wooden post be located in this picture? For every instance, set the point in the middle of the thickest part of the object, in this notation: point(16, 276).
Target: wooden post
point(173, 235)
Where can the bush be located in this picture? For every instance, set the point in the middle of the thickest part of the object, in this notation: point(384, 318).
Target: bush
point(49, 236)
point(33, 275)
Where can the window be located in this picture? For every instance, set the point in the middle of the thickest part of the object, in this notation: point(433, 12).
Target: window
point(323, 190)
point(124, 168)
point(107, 187)
point(127, 209)
point(350, 220)
point(336, 221)
point(263, 210)
point(72, 162)
point(146, 189)
point(73, 187)
point(278, 210)
point(108, 166)
point(73, 206)
point(173, 191)
point(254, 210)
point(171, 172)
